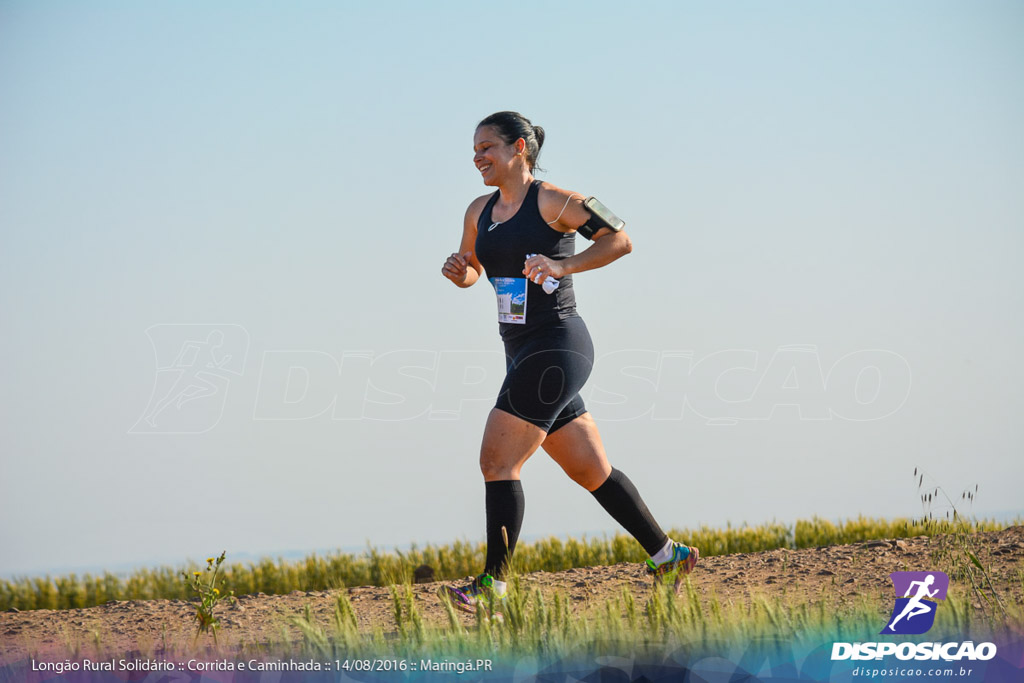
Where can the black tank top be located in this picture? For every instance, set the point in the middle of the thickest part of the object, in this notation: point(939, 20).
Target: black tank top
point(502, 249)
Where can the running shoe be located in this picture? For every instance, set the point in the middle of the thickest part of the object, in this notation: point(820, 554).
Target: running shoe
point(475, 592)
point(683, 560)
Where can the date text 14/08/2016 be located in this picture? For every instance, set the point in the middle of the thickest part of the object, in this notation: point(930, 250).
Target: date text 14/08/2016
point(458, 667)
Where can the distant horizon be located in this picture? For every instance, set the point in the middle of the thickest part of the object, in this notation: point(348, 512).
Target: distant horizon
point(125, 569)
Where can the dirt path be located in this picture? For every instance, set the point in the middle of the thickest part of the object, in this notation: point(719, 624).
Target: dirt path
point(840, 575)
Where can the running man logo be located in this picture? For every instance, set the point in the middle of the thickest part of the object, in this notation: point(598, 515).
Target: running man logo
point(914, 612)
point(194, 366)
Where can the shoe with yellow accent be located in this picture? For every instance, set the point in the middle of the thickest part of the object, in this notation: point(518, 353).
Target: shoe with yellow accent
point(477, 591)
point(684, 559)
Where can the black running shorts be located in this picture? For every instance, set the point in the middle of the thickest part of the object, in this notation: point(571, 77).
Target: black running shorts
point(545, 371)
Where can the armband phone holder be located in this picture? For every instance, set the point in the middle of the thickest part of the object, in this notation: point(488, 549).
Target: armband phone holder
point(600, 217)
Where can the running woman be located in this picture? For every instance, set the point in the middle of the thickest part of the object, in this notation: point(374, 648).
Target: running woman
point(523, 236)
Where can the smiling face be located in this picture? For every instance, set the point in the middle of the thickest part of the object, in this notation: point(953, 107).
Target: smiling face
point(495, 158)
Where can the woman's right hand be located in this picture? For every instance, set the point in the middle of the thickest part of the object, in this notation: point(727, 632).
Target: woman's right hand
point(456, 268)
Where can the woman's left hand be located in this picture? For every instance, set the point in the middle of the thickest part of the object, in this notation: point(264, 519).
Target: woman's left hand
point(538, 268)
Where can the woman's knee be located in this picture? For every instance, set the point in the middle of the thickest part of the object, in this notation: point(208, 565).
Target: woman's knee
point(589, 476)
point(508, 442)
point(578, 450)
point(495, 467)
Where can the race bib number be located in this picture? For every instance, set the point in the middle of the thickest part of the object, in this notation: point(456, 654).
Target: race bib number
point(511, 292)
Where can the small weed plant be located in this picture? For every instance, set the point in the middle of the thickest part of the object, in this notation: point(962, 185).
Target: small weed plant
point(203, 584)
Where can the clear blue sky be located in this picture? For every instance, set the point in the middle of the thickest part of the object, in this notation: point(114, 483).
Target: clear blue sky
point(825, 201)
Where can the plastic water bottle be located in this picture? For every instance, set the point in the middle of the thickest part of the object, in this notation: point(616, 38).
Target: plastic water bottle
point(550, 283)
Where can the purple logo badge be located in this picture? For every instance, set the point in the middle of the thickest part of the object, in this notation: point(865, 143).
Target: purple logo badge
point(916, 595)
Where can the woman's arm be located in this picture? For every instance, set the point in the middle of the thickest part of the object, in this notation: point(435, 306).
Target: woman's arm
point(607, 247)
point(564, 211)
point(463, 268)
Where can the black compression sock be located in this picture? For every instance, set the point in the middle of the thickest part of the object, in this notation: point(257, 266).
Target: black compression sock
point(620, 498)
point(504, 503)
